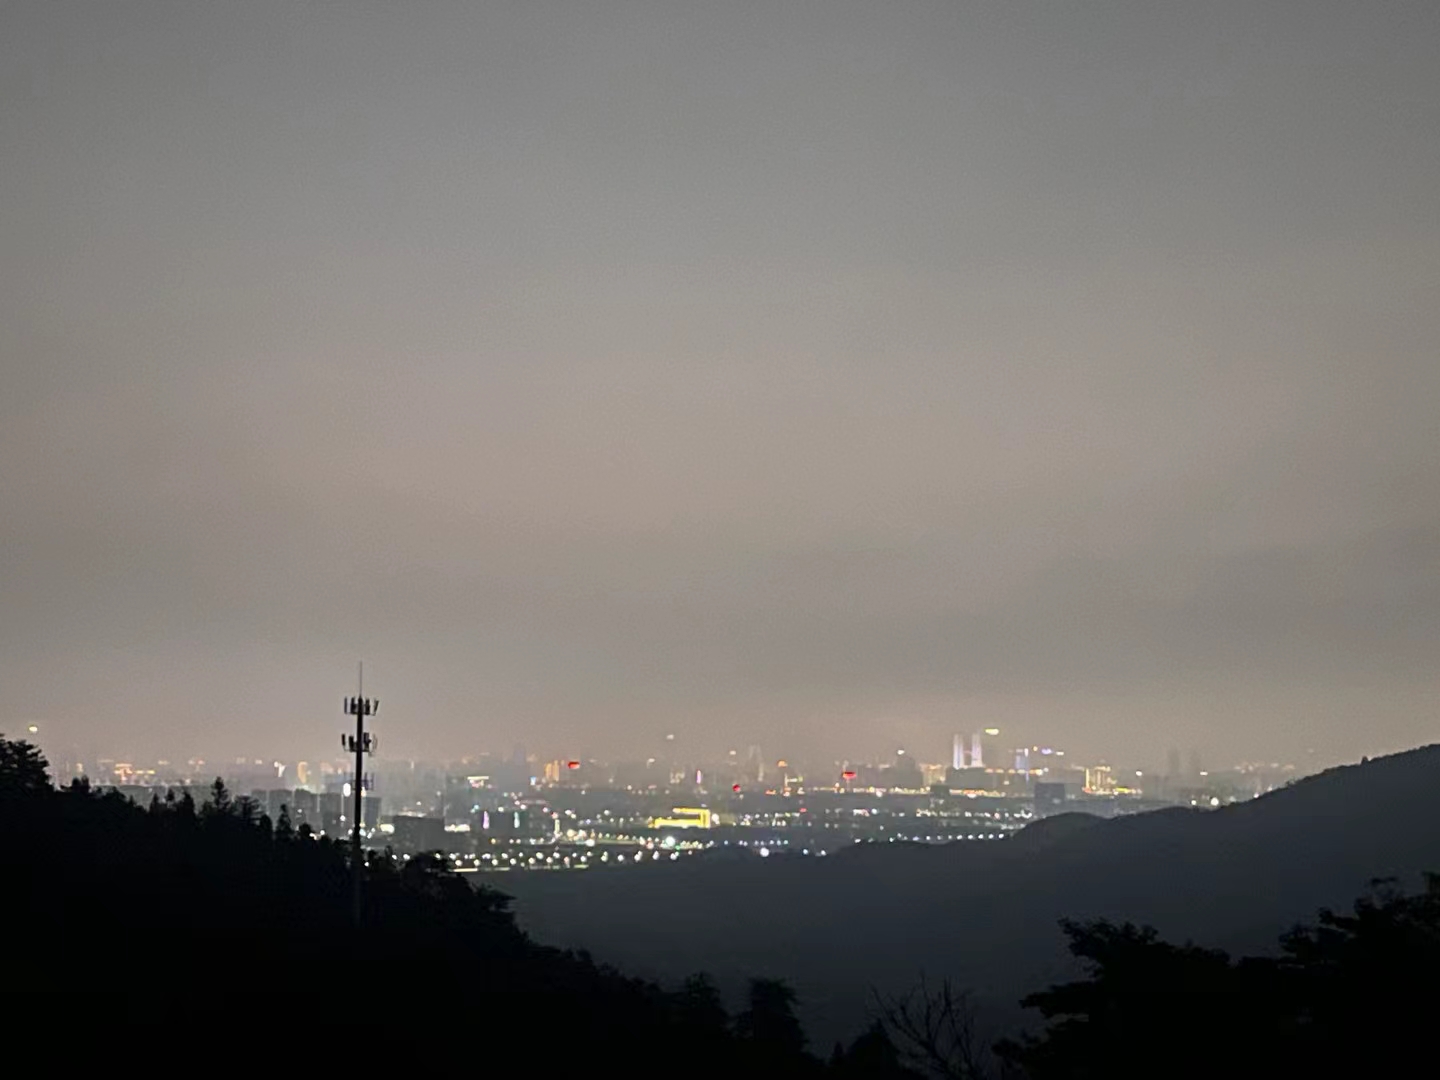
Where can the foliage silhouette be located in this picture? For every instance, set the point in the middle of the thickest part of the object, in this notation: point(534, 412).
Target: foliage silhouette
point(1347, 994)
point(23, 770)
point(872, 1054)
point(98, 889)
point(770, 1028)
point(932, 1030)
point(101, 885)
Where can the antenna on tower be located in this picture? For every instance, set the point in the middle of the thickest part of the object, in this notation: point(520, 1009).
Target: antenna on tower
point(359, 744)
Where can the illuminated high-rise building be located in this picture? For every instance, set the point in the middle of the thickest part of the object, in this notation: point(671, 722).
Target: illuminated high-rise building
point(957, 756)
point(977, 752)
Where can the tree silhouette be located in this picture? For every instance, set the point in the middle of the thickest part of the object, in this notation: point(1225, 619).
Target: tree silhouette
point(217, 890)
point(769, 1023)
point(23, 770)
point(699, 1002)
point(84, 871)
point(247, 810)
point(219, 804)
point(1345, 994)
point(874, 1056)
point(1142, 994)
point(1360, 984)
point(284, 829)
point(932, 1028)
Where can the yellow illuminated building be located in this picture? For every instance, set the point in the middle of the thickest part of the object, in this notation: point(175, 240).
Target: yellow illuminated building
point(685, 817)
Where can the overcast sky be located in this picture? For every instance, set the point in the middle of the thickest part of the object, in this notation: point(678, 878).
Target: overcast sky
point(825, 375)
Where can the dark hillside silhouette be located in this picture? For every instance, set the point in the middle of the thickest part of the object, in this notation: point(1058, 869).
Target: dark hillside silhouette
point(986, 915)
point(174, 919)
point(1348, 995)
point(134, 908)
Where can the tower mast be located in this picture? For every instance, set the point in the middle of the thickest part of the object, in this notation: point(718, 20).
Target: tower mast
point(359, 744)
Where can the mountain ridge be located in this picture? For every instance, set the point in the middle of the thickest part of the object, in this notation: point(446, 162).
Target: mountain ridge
point(875, 917)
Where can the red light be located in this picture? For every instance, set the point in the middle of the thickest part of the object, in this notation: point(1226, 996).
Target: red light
point(735, 787)
point(848, 774)
point(572, 764)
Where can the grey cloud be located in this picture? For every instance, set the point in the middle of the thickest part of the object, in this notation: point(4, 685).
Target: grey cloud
point(832, 374)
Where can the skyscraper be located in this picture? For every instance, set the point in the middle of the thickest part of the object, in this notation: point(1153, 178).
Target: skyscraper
point(957, 759)
point(755, 765)
point(977, 753)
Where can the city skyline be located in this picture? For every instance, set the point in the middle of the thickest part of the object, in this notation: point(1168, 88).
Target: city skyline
point(1001, 754)
point(932, 743)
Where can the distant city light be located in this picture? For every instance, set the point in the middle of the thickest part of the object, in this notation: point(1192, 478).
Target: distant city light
point(516, 822)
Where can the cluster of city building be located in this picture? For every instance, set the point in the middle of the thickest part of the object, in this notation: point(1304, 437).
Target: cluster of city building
point(520, 811)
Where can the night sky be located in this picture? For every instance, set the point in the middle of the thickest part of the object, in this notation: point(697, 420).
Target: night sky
point(831, 376)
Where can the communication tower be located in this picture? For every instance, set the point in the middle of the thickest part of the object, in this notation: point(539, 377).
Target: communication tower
point(359, 744)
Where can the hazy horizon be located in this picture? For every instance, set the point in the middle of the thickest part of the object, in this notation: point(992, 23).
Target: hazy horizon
point(810, 375)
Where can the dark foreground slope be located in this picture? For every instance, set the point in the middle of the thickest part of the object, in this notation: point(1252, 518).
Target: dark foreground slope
point(986, 915)
point(187, 929)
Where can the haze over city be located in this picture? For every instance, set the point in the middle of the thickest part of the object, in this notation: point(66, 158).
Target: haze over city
point(825, 376)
